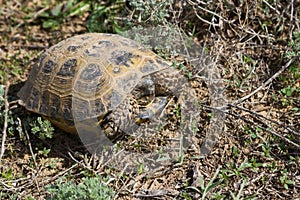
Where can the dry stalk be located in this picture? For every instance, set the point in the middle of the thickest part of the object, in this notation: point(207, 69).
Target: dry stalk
point(30, 147)
point(268, 129)
point(265, 83)
point(6, 109)
point(44, 182)
point(268, 119)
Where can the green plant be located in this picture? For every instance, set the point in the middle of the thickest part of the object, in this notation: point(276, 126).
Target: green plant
point(151, 25)
point(14, 67)
point(1, 94)
point(8, 175)
point(206, 189)
point(266, 148)
point(108, 17)
point(235, 151)
point(249, 65)
point(29, 198)
point(294, 47)
point(44, 152)
point(239, 170)
point(238, 196)
point(255, 134)
point(186, 196)
point(255, 165)
point(177, 111)
point(56, 15)
point(289, 87)
point(188, 74)
point(88, 189)
point(233, 170)
point(13, 124)
point(153, 11)
point(287, 91)
point(43, 128)
point(5, 195)
point(284, 180)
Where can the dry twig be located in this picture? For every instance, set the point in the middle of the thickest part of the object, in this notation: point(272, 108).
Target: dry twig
point(29, 145)
point(268, 119)
point(6, 109)
point(265, 129)
point(265, 83)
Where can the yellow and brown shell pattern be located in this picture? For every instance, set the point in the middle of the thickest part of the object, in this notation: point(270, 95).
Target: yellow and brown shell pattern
point(96, 72)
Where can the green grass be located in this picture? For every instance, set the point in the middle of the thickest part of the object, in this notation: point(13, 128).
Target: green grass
point(55, 16)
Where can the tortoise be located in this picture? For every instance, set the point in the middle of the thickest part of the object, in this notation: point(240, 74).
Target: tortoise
point(93, 76)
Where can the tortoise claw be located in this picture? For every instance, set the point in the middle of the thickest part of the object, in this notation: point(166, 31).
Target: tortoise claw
point(152, 110)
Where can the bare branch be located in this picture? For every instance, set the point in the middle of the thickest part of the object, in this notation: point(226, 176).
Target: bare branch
point(265, 83)
point(6, 109)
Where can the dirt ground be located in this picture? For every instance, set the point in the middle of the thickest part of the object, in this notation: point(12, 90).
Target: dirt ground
point(258, 128)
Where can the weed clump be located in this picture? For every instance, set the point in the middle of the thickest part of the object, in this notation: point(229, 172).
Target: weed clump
point(89, 188)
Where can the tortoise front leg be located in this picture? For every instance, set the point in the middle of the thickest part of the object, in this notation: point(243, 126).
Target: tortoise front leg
point(171, 82)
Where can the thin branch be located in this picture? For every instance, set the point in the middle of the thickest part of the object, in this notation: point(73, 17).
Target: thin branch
point(266, 118)
point(37, 14)
point(45, 182)
point(199, 17)
point(265, 129)
point(6, 109)
point(258, 178)
point(209, 11)
point(26, 184)
point(277, 11)
point(265, 83)
point(259, 126)
point(292, 10)
point(29, 145)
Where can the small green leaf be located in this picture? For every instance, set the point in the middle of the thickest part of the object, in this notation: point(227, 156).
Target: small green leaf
point(56, 11)
point(50, 23)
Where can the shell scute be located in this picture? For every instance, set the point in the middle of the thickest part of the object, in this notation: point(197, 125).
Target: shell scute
point(68, 68)
point(73, 48)
point(48, 66)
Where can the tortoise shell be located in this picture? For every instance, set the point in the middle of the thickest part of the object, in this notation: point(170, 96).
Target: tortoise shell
point(93, 71)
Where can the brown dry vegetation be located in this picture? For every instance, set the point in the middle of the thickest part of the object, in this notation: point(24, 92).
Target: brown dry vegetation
point(257, 155)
